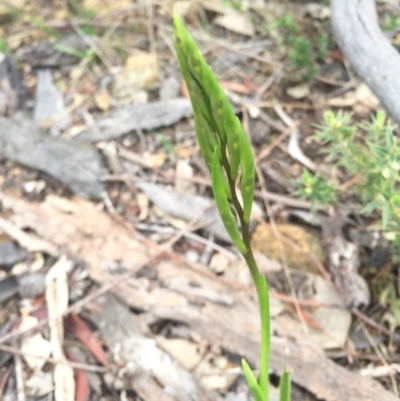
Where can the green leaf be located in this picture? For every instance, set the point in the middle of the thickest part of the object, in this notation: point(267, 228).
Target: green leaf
point(232, 127)
point(248, 175)
point(217, 104)
point(206, 137)
point(191, 70)
point(263, 297)
point(285, 386)
point(389, 138)
point(385, 215)
point(223, 205)
point(214, 117)
point(198, 97)
point(252, 382)
point(216, 98)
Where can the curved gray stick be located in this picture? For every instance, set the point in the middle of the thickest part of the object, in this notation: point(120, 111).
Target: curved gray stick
point(373, 58)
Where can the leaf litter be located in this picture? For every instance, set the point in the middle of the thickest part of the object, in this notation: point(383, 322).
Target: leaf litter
point(141, 316)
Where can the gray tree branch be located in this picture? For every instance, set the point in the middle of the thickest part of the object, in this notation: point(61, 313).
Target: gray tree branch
point(373, 58)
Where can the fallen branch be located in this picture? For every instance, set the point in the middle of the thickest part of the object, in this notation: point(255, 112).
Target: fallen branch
point(373, 58)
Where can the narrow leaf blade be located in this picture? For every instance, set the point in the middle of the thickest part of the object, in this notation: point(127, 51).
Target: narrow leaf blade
point(252, 382)
point(231, 129)
point(223, 205)
point(285, 387)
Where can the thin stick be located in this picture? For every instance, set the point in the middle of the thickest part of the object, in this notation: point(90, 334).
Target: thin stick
point(382, 358)
point(74, 365)
point(19, 378)
point(375, 325)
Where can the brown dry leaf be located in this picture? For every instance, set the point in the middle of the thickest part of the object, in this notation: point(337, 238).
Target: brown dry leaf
point(184, 152)
point(299, 91)
point(184, 174)
point(361, 99)
point(102, 100)
point(143, 204)
point(236, 22)
point(75, 325)
point(237, 87)
point(61, 14)
point(365, 100)
point(230, 18)
point(182, 7)
point(140, 72)
point(33, 345)
point(155, 160)
point(39, 384)
point(64, 383)
point(184, 90)
point(187, 9)
point(318, 11)
point(187, 353)
point(82, 387)
point(214, 374)
point(38, 262)
point(347, 100)
point(173, 221)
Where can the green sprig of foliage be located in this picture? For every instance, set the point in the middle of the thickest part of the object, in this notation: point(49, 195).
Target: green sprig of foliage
point(228, 155)
point(315, 188)
point(391, 22)
point(298, 48)
point(375, 157)
point(4, 46)
point(370, 151)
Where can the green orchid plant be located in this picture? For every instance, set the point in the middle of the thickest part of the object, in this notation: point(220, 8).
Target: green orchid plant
point(229, 157)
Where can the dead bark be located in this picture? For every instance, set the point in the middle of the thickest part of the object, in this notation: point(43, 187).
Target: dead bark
point(211, 309)
point(373, 58)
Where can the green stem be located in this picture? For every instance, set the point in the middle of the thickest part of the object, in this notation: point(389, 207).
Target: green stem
point(263, 300)
point(261, 287)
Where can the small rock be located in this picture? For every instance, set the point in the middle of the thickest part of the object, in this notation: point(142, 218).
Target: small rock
point(192, 256)
point(219, 263)
point(11, 254)
point(299, 91)
point(8, 288)
point(32, 285)
point(186, 352)
point(49, 104)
